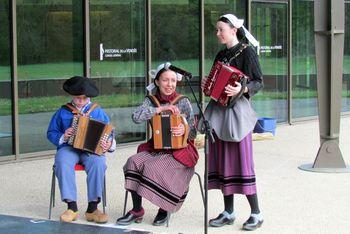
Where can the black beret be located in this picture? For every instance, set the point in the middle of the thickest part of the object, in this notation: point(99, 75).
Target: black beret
point(79, 85)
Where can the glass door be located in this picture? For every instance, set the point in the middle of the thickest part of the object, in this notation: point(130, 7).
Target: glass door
point(269, 24)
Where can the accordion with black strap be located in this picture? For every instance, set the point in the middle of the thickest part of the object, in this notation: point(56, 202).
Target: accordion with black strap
point(162, 123)
point(88, 133)
point(219, 77)
point(162, 135)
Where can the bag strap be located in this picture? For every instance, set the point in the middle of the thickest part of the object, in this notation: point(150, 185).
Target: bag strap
point(243, 47)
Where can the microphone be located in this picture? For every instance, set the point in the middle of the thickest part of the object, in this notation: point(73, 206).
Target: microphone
point(178, 70)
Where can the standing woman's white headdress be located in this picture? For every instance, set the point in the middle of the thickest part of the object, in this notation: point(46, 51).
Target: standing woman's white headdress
point(238, 23)
point(154, 74)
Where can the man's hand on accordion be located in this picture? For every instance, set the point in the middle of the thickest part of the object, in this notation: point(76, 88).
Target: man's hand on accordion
point(178, 131)
point(68, 133)
point(106, 145)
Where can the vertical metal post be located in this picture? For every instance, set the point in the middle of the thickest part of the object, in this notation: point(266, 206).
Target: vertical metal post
point(201, 75)
point(329, 44)
point(290, 66)
point(148, 44)
point(14, 76)
point(202, 49)
point(86, 35)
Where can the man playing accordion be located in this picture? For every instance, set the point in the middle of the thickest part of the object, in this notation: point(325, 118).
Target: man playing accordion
point(60, 131)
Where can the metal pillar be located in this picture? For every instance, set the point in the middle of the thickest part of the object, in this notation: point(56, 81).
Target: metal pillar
point(329, 45)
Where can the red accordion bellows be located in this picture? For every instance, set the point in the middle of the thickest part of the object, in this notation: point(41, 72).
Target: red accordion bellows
point(219, 77)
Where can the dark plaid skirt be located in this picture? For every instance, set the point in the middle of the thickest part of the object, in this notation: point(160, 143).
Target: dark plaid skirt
point(159, 178)
point(231, 168)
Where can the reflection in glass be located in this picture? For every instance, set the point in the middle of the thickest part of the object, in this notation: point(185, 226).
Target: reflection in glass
point(304, 87)
point(50, 50)
point(5, 82)
point(269, 25)
point(175, 38)
point(117, 43)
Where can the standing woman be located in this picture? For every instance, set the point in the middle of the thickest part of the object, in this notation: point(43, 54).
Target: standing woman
point(161, 176)
point(231, 166)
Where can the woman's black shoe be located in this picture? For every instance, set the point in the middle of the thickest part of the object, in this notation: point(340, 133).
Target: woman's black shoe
point(252, 223)
point(131, 216)
point(223, 219)
point(161, 218)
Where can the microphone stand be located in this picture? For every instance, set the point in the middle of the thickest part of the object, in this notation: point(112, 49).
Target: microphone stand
point(208, 138)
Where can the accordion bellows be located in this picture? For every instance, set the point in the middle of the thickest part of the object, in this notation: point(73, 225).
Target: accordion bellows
point(89, 133)
point(162, 135)
point(219, 77)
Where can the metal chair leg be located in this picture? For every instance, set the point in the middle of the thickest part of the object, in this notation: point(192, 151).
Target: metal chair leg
point(168, 218)
point(125, 201)
point(104, 200)
point(52, 194)
point(201, 186)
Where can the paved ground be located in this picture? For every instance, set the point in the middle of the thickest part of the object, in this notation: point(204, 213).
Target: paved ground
point(292, 200)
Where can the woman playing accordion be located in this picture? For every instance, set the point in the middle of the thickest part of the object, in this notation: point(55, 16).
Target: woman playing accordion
point(162, 176)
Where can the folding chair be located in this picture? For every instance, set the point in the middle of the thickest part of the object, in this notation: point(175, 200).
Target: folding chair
point(78, 167)
point(167, 223)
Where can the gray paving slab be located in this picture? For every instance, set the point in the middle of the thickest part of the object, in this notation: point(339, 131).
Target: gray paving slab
point(291, 200)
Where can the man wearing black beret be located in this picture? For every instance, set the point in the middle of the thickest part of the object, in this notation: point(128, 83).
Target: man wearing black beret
point(81, 89)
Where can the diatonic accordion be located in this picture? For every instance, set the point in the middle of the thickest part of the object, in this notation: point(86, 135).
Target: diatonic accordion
point(89, 133)
point(219, 77)
point(162, 135)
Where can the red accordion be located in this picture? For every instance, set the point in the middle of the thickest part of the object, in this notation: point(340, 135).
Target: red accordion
point(219, 77)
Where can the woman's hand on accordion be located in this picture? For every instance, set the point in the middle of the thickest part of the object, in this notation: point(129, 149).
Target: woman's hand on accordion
point(174, 109)
point(68, 133)
point(233, 90)
point(178, 131)
point(106, 145)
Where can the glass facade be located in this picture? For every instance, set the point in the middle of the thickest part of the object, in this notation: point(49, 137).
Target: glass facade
point(175, 38)
point(304, 90)
point(118, 62)
point(270, 27)
point(51, 48)
point(6, 135)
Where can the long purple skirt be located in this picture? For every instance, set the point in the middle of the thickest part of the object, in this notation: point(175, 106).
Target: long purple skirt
point(231, 168)
point(159, 178)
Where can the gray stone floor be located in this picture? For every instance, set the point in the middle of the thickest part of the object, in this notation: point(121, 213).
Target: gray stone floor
point(291, 200)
